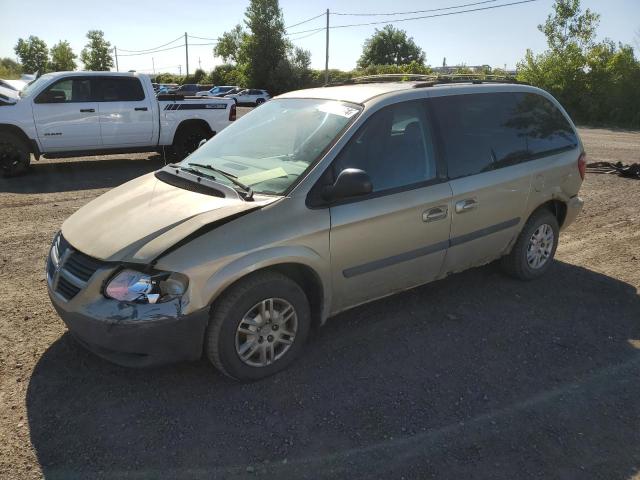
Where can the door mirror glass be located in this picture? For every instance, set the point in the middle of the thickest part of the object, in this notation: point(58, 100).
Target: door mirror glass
point(351, 182)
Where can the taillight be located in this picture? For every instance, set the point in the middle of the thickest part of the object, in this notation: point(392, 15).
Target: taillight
point(232, 112)
point(582, 164)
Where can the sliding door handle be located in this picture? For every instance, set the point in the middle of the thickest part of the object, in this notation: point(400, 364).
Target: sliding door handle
point(87, 110)
point(141, 109)
point(466, 205)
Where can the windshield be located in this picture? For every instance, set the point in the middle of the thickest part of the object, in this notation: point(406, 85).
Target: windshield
point(269, 148)
point(34, 86)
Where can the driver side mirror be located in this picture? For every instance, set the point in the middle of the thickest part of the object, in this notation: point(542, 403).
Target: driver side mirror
point(351, 182)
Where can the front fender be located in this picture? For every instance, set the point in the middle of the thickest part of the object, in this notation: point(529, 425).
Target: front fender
point(269, 257)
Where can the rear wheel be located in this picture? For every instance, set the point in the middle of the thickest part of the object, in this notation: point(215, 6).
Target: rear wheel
point(187, 140)
point(15, 155)
point(258, 327)
point(535, 248)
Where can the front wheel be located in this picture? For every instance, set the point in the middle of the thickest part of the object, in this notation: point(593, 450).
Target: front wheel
point(535, 248)
point(259, 102)
point(15, 155)
point(258, 327)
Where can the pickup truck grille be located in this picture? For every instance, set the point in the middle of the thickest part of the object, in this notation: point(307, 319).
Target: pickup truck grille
point(69, 270)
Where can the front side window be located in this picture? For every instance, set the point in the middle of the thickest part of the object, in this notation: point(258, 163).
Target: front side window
point(393, 147)
point(120, 89)
point(270, 147)
point(68, 90)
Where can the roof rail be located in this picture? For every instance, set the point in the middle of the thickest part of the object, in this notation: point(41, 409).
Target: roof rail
point(428, 80)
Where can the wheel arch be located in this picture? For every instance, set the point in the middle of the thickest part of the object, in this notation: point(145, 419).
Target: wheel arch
point(557, 207)
point(184, 124)
point(302, 268)
point(14, 129)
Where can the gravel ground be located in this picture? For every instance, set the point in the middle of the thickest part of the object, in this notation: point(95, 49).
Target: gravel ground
point(475, 376)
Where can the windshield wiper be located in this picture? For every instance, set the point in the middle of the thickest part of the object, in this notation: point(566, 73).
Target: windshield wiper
point(247, 191)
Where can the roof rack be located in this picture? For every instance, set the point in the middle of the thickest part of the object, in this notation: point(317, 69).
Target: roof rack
point(428, 80)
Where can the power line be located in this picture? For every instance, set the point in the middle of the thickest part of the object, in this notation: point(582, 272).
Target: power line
point(155, 48)
point(421, 17)
point(150, 53)
point(305, 21)
point(322, 29)
point(203, 38)
point(414, 11)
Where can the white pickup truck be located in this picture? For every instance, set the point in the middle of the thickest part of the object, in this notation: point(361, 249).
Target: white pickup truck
point(67, 114)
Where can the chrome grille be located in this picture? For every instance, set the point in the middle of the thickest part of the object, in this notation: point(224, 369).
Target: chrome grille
point(69, 270)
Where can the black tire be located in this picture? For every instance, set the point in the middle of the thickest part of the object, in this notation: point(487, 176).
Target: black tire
point(187, 140)
point(15, 155)
point(231, 307)
point(259, 102)
point(516, 263)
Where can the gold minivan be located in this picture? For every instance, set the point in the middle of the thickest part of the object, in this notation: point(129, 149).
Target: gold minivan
point(315, 202)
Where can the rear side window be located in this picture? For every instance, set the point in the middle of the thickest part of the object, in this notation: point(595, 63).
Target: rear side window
point(120, 89)
point(547, 129)
point(485, 131)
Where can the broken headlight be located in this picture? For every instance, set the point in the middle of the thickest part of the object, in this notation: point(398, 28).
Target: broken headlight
point(132, 286)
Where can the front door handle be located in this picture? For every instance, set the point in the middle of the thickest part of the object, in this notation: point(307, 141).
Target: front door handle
point(87, 110)
point(466, 205)
point(435, 213)
point(140, 109)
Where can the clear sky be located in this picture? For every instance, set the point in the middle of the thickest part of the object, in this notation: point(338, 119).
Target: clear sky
point(494, 37)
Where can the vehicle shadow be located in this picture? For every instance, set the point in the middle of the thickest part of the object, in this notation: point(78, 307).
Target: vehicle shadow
point(475, 376)
point(71, 175)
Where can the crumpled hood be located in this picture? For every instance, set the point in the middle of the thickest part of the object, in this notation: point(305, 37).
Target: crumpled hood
point(8, 96)
point(139, 220)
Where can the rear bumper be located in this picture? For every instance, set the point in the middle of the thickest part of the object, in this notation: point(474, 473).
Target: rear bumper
point(135, 336)
point(574, 207)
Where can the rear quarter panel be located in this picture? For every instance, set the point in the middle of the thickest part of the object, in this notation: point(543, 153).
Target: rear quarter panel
point(214, 111)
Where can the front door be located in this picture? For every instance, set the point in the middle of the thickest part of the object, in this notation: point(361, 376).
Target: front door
point(126, 116)
point(66, 115)
point(396, 237)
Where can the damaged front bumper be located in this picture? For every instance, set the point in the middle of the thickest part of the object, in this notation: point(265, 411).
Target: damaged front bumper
point(129, 334)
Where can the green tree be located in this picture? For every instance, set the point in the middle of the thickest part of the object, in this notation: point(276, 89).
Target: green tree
point(62, 57)
point(33, 54)
point(9, 68)
point(595, 82)
point(264, 52)
point(229, 44)
point(390, 46)
point(96, 55)
point(262, 55)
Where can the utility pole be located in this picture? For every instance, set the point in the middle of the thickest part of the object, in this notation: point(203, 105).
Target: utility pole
point(186, 51)
point(115, 50)
point(199, 64)
point(180, 70)
point(153, 64)
point(326, 61)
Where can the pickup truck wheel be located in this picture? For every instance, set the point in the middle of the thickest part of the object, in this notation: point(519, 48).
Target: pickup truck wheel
point(15, 155)
point(188, 139)
point(258, 327)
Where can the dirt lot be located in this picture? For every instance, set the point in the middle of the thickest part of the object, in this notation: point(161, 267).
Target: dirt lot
point(475, 376)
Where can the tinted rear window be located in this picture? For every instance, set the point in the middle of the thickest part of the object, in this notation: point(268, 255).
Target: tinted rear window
point(121, 89)
point(485, 131)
